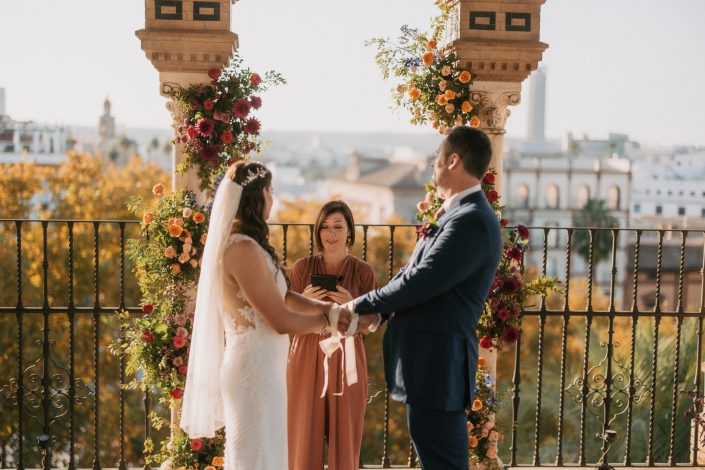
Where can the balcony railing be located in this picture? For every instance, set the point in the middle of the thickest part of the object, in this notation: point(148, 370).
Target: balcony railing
point(615, 353)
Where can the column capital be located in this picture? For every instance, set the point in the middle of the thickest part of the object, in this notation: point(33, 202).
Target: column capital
point(493, 100)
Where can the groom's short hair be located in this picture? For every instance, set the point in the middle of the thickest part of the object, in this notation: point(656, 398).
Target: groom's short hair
point(473, 146)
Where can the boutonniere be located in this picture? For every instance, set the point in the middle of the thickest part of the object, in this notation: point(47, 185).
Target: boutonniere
point(428, 212)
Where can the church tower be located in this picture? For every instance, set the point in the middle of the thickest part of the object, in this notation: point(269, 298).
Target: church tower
point(106, 126)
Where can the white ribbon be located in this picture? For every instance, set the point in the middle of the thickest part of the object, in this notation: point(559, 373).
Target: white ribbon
point(334, 343)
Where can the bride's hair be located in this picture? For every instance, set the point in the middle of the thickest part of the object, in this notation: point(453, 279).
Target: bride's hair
point(254, 177)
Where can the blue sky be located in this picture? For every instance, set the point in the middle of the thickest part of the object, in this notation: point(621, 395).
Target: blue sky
point(631, 66)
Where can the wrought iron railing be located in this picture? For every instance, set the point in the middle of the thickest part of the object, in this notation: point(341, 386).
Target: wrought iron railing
point(565, 382)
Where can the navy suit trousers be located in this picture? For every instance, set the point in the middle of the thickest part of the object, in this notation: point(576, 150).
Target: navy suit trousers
point(440, 437)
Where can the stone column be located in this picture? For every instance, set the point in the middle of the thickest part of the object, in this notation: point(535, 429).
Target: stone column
point(184, 39)
point(498, 41)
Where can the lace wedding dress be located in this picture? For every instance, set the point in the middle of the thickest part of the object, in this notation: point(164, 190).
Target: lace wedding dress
point(253, 380)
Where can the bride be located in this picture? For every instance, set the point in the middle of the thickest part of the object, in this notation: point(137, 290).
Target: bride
point(240, 383)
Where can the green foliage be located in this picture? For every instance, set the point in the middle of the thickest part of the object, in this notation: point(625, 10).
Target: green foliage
point(594, 215)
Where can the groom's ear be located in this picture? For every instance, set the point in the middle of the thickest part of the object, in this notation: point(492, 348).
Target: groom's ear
point(453, 161)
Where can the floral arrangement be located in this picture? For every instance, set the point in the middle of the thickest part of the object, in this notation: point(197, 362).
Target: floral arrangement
point(166, 262)
point(183, 453)
point(509, 295)
point(483, 433)
point(215, 122)
point(433, 88)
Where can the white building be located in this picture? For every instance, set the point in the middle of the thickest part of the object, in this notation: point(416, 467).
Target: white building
point(669, 191)
point(380, 188)
point(29, 141)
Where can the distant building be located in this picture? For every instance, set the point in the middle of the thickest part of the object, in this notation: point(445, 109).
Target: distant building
point(669, 192)
point(381, 188)
point(537, 106)
point(106, 126)
point(29, 141)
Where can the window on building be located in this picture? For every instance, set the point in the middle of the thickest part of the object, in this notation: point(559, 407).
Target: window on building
point(613, 202)
point(680, 193)
point(637, 208)
point(681, 210)
point(658, 191)
point(582, 196)
point(702, 212)
point(659, 210)
point(522, 196)
point(552, 197)
point(670, 193)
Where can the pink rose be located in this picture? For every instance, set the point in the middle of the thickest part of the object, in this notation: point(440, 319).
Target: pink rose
point(486, 342)
point(193, 263)
point(196, 445)
point(184, 257)
point(181, 331)
point(422, 206)
point(256, 102)
point(180, 320)
point(179, 342)
point(178, 361)
point(492, 452)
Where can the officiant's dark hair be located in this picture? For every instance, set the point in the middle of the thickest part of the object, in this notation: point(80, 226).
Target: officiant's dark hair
point(473, 146)
point(253, 177)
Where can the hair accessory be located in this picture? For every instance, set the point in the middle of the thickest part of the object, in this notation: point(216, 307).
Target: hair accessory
point(261, 172)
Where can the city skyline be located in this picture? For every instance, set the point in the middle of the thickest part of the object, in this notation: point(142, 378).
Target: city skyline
point(637, 76)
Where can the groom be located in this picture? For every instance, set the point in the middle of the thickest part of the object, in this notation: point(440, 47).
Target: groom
point(434, 303)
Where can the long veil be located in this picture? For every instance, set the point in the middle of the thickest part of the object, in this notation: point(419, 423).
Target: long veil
point(202, 410)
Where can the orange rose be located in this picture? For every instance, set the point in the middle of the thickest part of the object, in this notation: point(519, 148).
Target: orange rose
point(465, 77)
point(427, 58)
point(147, 218)
point(203, 238)
point(477, 405)
point(158, 189)
point(445, 71)
point(474, 121)
point(450, 107)
point(466, 107)
point(472, 441)
point(449, 94)
point(414, 93)
point(481, 362)
point(175, 268)
point(175, 230)
point(198, 217)
point(435, 124)
point(442, 100)
point(193, 263)
point(432, 44)
point(442, 85)
point(218, 461)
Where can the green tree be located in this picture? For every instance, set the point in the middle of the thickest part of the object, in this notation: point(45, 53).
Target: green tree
point(594, 215)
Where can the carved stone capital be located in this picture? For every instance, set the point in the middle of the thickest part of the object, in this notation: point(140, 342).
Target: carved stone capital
point(492, 99)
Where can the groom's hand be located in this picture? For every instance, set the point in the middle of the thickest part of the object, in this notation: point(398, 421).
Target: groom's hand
point(366, 321)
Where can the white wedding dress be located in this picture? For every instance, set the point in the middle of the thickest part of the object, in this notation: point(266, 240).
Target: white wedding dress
point(253, 380)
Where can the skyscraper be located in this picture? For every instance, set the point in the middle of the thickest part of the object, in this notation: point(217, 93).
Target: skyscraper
point(537, 106)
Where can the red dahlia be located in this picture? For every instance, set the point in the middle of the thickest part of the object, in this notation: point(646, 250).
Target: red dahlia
point(252, 126)
point(214, 74)
point(205, 126)
point(489, 178)
point(177, 394)
point(147, 308)
point(255, 79)
point(256, 102)
point(523, 231)
point(208, 104)
point(486, 342)
point(510, 335)
point(492, 195)
point(240, 108)
point(226, 137)
point(196, 444)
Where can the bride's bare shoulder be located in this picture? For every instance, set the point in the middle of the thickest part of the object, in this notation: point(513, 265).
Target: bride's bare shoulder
point(242, 252)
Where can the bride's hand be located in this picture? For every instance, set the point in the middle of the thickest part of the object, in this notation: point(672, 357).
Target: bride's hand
point(344, 320)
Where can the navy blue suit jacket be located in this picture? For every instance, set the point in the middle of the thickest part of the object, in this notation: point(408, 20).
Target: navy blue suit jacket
point(430, 346)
